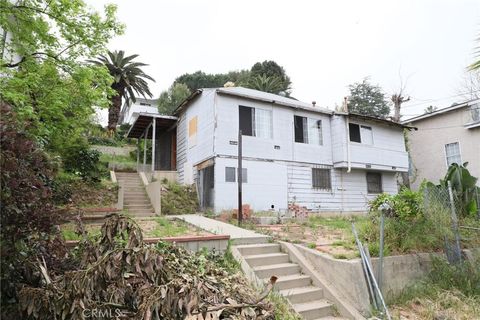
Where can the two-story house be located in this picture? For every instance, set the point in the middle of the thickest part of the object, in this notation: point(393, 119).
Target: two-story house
point(445, 136)
point(293, 152)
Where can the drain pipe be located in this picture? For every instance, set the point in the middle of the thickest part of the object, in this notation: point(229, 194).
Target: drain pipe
point(347, 130)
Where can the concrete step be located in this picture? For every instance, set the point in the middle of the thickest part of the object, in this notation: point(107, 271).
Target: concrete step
point(138, 208)
point(141, 212)
point(293, 281)
point(267, 258)
point(314, 309)
point(134, 202)
point(302, 294)
point(281, 269)
point(253, 249)
point(135, 193)
point(331, 318)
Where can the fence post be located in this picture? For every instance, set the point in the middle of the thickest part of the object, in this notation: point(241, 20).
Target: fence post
point(457, 254)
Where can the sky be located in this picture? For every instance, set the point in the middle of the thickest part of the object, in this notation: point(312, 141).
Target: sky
point(324, 46)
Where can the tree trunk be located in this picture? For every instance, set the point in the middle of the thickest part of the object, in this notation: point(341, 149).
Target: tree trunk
point(114, 113)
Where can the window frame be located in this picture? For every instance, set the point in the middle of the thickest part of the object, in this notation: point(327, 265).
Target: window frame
point(252, 130)
point(319, 186)
point(306, 130)
point(234, 174)
point(380, 182)
point(360, 127)
point(459, 153)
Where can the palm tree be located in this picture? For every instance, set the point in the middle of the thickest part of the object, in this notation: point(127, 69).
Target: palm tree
point(129, 80)
point(272, 84)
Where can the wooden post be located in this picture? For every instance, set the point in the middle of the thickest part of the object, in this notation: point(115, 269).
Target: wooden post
point(145, 150)
point(154, 132)
point(239, 180)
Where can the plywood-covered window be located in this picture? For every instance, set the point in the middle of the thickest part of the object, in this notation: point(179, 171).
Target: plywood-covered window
point(192, 131)
point(308, 130)
point(321, 178)
point(255, 122)
point(374, 182)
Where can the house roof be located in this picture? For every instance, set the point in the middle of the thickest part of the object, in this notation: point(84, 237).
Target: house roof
point(443, 110)
point(144, 119)
point(257, 96)
point(379, 120)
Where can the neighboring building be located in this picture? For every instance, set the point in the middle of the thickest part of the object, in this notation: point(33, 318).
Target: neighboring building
point(445, 136)
point(293, 152)
point(141, 105)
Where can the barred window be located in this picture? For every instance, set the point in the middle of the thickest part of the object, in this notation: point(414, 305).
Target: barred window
point(321, 179)
point(374, 182)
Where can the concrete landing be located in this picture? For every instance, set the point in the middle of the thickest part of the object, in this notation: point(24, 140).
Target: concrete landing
point(238, 235)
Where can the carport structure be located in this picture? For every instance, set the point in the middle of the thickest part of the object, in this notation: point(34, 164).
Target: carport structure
point(162, 131)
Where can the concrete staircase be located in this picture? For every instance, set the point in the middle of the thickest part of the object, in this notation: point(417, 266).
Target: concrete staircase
point(136, 200)
point(266, 260)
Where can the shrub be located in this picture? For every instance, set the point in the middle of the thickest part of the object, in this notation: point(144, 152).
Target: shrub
point(84, 162)
point(405, 205)
point(178, 199)
point(27, 215)
point(464, 276)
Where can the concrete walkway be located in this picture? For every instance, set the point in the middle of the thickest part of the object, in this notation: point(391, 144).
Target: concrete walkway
point(237, 235)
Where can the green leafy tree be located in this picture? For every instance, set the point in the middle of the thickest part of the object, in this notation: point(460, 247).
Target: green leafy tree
point(276, 73)
point(476, 65)
point(129, 80)
point(265, 83)
point(169, 100)
point(50, 90)
point(367, 99)
point(200, 79)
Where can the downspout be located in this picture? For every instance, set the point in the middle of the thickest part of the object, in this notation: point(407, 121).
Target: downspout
point(347, 129)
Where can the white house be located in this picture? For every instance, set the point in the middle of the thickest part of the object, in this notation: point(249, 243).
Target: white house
point(141, 105)
point(293, 152)
point(445, 136)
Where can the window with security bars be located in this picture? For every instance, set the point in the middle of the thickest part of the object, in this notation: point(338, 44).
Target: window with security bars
point(374, 182)
point(452, 153)
point(321, 179)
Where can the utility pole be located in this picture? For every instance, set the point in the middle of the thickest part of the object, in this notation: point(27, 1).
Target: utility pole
point(239, 180)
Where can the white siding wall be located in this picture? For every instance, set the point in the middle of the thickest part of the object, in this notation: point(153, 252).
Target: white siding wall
point(192, 151)
point(181, 146)
point(283, 134)
point(387, 151)
point(266, 185)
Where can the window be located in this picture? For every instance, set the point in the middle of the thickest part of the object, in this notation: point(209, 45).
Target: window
point(366, 134)
point(452, 152)
point(255, 122)
point(244, 175)
point(308, 130)
point(374, 182)
point(475, 112)
point(231, 174)
point(321, 179)
point(354, 132)
point(360, 134)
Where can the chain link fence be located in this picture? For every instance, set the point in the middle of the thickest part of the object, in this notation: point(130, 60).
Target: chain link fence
point(443, 207)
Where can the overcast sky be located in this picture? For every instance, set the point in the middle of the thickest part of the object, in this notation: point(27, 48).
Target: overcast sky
point(323, 45)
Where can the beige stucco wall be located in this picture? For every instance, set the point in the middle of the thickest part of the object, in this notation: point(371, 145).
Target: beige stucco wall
point(427, 145)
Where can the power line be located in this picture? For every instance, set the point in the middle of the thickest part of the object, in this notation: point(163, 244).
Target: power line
point(432, 100)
